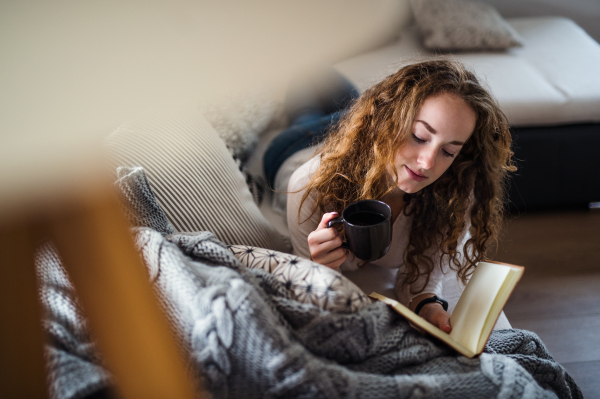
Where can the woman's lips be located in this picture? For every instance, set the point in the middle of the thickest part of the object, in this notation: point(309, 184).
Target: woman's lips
point(414, 175)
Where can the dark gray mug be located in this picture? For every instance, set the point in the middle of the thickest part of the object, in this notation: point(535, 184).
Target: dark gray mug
point(368, 228)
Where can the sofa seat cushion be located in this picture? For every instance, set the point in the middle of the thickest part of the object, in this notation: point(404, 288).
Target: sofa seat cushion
point(194, 178)
point(553, 79)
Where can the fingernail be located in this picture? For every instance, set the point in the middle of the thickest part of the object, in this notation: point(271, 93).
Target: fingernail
point(333, 213)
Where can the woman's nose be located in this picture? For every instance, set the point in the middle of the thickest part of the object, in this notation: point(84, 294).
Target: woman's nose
point(427, 158)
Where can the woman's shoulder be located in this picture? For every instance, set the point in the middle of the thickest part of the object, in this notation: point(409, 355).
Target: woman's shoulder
point(304, 173)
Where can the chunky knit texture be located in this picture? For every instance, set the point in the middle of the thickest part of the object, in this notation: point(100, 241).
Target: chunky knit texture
point(247, 338)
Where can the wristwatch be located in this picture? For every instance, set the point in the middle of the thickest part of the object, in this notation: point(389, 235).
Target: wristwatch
point(432, 299)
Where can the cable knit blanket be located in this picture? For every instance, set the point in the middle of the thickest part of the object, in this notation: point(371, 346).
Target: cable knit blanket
point(246, 338)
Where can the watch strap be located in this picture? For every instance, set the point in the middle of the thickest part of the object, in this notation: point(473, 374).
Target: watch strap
point(432, 299)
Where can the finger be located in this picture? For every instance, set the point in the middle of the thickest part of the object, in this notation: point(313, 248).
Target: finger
point(319, 237)
point(330, 244)
point(336, 264)
point(443, 322)
point(328, 251)
point(436, 315)
point(445, 327)
point(325, 219)
point(336, 256)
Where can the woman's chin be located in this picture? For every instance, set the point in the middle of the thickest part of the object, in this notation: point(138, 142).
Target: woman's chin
point(409, 188)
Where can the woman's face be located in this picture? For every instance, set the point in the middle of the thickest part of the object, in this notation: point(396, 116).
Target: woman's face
point(442, 126)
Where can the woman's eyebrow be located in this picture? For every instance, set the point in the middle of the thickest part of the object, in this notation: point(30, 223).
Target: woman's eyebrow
point(433, 131)
point(427, 126)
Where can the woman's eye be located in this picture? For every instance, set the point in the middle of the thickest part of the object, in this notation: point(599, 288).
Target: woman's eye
point(447, 154)
point(418, 140)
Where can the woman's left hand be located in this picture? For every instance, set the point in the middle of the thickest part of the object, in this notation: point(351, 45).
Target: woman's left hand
point(436, 315)
point(433, 313)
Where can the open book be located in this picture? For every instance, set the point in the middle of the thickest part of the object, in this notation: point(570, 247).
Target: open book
point(477, 310)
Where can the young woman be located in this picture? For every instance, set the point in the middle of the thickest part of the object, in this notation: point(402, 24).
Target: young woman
point(430, 142)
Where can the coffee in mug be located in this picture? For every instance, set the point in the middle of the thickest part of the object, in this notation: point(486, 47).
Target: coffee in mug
point(368, 228)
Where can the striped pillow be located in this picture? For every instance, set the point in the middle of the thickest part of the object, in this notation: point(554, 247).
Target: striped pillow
point(194, 178)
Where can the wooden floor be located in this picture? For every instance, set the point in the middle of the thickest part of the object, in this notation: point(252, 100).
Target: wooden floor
point(559, 295)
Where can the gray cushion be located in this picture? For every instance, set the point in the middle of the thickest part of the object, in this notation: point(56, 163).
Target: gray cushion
point(463, 25)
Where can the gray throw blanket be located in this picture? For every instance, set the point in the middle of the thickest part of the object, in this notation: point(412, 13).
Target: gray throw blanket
point(246, 338)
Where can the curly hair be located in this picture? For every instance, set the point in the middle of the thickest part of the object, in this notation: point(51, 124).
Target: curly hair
point(359, 149)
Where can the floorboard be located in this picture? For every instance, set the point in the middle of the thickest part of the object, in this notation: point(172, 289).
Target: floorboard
point(586, 374)
point(543, 297)
point(552, 243)
point(569, 339)
point(559, 293)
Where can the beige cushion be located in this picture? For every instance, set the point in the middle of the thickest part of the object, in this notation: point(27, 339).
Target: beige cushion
point(307, 281)
point(463, 25)
point(194, 177)
point(239, 118)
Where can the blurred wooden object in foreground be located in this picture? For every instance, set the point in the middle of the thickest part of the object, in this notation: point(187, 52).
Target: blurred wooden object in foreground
point(133, 335)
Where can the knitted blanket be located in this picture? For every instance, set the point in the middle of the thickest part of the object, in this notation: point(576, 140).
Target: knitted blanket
point(246, 338)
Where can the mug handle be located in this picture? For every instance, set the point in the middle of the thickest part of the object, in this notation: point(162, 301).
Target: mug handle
point(334, 221)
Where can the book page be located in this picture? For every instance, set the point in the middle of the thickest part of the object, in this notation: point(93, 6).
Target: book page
point(513, 277)
point(473, 307)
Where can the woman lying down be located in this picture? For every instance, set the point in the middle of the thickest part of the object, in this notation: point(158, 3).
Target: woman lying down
point(430, 142)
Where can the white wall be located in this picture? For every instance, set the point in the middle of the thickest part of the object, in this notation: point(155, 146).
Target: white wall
point(586, 13)
point(71, 71)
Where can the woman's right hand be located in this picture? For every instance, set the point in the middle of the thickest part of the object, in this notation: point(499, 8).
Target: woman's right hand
point(325, 244)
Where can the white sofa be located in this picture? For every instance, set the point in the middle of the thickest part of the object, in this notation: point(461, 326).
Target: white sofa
point(553, 79)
